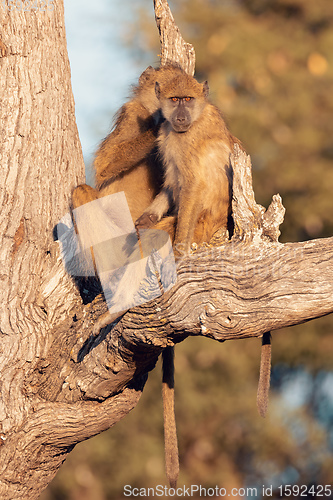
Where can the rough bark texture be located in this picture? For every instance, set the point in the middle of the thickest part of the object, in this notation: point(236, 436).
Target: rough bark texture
point(59, 385)
point(41, 161)
point(173, 46)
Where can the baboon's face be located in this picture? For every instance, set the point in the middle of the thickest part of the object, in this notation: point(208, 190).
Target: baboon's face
point(182, 101)
point(178, 111)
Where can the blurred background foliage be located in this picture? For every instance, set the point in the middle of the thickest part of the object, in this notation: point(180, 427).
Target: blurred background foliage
point(269, 64)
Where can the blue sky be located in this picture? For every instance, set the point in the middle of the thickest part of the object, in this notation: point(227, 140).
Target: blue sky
point(103, 69)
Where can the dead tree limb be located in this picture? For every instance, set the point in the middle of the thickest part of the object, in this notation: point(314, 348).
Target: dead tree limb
point(173, 47)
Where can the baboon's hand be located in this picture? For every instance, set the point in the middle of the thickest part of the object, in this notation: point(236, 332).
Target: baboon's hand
point(146, 221)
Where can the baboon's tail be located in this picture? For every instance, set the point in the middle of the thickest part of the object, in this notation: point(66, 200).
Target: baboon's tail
point(170, 433)
point(265, 374)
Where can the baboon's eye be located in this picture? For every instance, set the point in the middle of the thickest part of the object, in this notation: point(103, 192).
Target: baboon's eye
point(174, 99)
point(188, 99)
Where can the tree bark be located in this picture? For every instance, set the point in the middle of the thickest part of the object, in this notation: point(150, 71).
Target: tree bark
point(59, 385)
point(173, 47)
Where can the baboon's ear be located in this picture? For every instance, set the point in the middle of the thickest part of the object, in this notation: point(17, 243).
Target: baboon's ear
point(205, 89)
point(146, 74)
point(157, 90)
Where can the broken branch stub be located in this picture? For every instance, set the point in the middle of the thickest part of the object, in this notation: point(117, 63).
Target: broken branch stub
point(252, 221)
point(174, 49)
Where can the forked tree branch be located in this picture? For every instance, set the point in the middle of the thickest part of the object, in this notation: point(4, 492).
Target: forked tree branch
point(249, 285)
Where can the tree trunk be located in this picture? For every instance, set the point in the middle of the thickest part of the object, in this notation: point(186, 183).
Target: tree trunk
point(41, 162)
point(59, 385)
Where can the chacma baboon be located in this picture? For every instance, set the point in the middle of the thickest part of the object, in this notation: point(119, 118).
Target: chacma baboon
point(195, 146)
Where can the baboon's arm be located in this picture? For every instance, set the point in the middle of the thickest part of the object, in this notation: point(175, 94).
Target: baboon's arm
point(188, 214)
point(115, 158)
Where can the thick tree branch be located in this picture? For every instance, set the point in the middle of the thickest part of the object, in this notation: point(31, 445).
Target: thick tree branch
point(52, 430)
